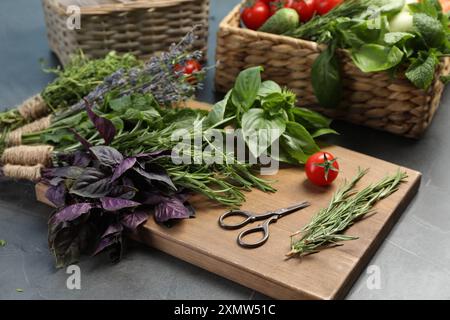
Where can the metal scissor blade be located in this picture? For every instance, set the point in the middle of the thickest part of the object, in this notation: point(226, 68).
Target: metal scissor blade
point(285, 211)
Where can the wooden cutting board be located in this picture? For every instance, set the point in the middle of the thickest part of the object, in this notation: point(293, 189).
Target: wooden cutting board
point(326, 275)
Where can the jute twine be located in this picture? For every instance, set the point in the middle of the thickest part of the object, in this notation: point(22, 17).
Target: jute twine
point(14, 138)
point(28, 155)
point(32, 173)
point(33, 108)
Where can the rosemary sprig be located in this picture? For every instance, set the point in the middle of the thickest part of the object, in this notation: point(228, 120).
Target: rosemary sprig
point(347, 207)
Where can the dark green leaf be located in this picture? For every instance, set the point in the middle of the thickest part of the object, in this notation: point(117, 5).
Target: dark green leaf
point(326, 79)
point(217, 114)
point(121, 104)
point(301, 137)
point(421, 71)
point(312, 118)
point(431, 30)
point(323, 132)
point(246, 88)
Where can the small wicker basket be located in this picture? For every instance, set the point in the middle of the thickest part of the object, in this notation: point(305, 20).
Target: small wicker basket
point(371, 99)
point(142, 27)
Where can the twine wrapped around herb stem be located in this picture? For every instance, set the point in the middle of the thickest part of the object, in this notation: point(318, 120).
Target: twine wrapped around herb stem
point(31, 173)
point(33, 108)
point(28, 155)
point(14, 138)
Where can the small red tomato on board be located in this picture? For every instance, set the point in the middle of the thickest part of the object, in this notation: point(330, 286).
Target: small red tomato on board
point(305, 9)
point(256, 15)
point(325, 6)
point(322, 168)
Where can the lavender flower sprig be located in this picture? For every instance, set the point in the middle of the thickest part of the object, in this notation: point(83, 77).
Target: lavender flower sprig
point(158, 77)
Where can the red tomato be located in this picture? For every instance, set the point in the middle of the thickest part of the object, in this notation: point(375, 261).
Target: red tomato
point(255, 16)
point(305, 9)
point(189, 67)
point(325, 6)
point(322, 168)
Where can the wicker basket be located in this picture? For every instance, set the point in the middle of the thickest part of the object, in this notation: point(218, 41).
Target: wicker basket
point(142, 27)
point(371, 99)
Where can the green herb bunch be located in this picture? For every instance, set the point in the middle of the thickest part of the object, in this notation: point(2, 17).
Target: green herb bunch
point(79, 77)
point(380, 35)
point(347, 207)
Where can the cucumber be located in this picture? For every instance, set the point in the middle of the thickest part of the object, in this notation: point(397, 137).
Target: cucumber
point(281, 22)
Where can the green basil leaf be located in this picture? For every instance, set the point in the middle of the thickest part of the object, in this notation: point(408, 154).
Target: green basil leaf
point(323, 132)
point(375, 57)
point(268, 87)
point(217, 114)
point(291, 151)
point(392, 38)
point(313, 119)
point(121, 104)
point(421, 71)
point(431, 30)
point(326, 78)
point(246, 88)
point(256, 123)
point(302, 137)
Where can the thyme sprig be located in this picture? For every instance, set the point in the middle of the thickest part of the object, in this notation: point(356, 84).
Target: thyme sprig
point(347, 207)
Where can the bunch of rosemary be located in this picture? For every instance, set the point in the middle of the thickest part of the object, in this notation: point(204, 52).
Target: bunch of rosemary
point(347, 207)
point(79, 77)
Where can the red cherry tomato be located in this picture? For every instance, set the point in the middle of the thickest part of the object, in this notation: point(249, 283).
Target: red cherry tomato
point(322, 168)
point(256, 15)
point(190, 67)
point(325, 6)
point(305, 9)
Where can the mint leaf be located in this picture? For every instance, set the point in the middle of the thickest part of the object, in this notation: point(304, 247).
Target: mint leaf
point(431, 30)
point(421, 71)
point(2, 243)
point(326, 78)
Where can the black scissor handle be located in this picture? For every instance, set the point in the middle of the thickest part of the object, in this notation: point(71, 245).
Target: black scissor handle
point(249, 218)
point(263, 228)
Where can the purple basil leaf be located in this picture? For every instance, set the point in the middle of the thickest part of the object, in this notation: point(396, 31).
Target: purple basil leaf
point(123, 192)
point(92, 183)
point(105, 243)
point(152, 199)
point(72, 212)
point(54, 181)
point(57, 195)
point(104, 126)
point(116, 204)
point(113, 229)
point(123, 167)
point(80, 139)
point(190, 209)
point(170, 209)
point(156, 174)
point(107, 156)
point(134, 219)
point(81, 159)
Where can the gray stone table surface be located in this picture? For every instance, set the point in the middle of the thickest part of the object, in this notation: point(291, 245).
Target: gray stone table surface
point(414, 261)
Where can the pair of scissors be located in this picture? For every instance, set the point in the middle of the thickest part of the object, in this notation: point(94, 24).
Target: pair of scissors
point(271, 216)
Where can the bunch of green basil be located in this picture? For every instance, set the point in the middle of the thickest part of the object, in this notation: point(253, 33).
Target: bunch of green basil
point(253, 105)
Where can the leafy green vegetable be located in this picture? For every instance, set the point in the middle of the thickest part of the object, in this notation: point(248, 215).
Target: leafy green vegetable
point(392, 38)
point(261, 130)
point(2, 243)
point(246, 88)
point(430, 29)
point(421, 71)
point(374, 57)
point(326, 78)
